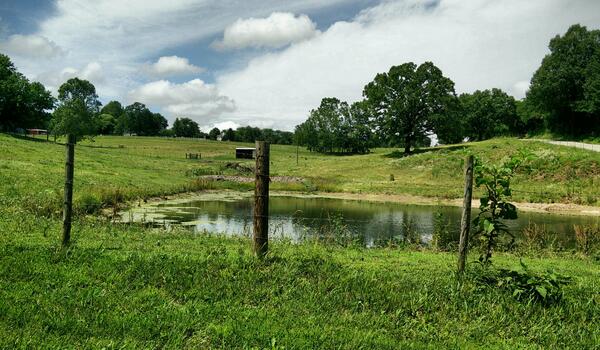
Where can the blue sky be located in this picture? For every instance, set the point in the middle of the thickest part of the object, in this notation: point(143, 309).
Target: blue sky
point(268, 62)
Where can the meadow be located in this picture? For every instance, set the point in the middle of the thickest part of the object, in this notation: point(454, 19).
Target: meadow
point(114, 169)
point(132, 286)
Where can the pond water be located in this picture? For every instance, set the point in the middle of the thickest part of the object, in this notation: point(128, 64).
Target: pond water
point(296, 218)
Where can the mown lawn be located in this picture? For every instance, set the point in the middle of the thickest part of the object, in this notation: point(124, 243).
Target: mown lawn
point(130, 287)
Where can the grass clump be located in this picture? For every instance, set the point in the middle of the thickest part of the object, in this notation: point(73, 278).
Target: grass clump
point(127, 286)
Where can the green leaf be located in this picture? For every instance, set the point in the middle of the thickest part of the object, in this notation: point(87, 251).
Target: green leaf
point(542, 291)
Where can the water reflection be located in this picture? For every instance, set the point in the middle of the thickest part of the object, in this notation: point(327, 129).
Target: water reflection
point(297, 218)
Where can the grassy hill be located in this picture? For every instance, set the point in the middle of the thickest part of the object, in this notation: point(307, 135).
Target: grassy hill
point(121, 168)
point(128, 286)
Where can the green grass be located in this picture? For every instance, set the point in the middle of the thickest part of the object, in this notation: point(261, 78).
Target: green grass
point(130, 287)
point(122, 286)
point(124, 168)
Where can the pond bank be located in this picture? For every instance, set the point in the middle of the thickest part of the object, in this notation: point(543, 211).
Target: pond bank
point(549, 208)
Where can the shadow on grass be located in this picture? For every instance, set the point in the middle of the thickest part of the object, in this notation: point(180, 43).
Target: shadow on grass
point(401, 154)
point(29, 138)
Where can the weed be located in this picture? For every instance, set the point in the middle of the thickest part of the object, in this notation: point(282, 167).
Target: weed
point(587, 238)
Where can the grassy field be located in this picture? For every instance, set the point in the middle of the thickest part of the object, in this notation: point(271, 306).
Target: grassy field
point(127, 286)
point(130, 287)
point(122, 168)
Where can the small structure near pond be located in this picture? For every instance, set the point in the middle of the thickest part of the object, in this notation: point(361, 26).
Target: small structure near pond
point(245, 152)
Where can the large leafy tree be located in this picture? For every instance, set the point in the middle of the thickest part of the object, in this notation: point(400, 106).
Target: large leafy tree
point(566, 87)
point(139, 120)
point(336, 126)
point(489, 113)
point(116, 124)
point(77, 110)
point(405, 100)
point(22, 104)
point(214, 133)
point(185, 127)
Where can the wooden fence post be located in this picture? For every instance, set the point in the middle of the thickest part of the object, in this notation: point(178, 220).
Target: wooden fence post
point(465, 224)
point(261, 200)
point(68, 203)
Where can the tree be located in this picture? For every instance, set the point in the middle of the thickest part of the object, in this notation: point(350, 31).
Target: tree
point(489, 113)
point(115, 109)
point(77, 109)
point(214, 133)
point(566, 87)
point(139, 120)
point(22, 104)
point(185, 127)
point(106, 124)
point(229, 135)
point(405, 99)
point(336, 126)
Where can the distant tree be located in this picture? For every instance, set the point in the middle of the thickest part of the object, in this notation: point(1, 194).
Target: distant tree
point(106, 124)
point(449, 126)
point(357, 127)
point(405, 99)
point(566, 87)
point(22, 104)
point(115, 109)
point(531, 119)
point(77, 110)
point(248, 134)
point(337, 127)
point(229, 135)
point(185, 127)
point(489, 113)
point(139, 120)
point(214, 133)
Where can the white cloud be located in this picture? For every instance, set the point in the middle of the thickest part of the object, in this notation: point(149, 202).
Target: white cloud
point(277, 30)
point(480, 44)
point(223, 126)
point(54, 79)
point(194, 98)
point(31, 46)
point(172, 66)
point(520, 89)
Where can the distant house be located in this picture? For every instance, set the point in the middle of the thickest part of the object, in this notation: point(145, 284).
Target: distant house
point(37, 132)
point(245, 152)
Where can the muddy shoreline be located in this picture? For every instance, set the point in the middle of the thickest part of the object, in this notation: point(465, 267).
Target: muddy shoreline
point(549, 208)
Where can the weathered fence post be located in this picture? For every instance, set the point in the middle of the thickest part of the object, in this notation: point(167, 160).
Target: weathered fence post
point(465, 224)
point(261, 200)
point(68, 203)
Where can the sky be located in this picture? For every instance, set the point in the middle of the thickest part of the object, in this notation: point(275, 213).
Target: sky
point(267, 63)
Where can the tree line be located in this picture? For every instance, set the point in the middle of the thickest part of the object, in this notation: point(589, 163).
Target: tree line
point(400, 108)
point(78, 111)
point(410, 102)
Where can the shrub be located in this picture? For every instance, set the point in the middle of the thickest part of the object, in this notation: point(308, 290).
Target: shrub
point(525, 285)
point(87, 204)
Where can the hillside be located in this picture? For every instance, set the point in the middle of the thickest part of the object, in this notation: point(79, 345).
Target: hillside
point(124, 168)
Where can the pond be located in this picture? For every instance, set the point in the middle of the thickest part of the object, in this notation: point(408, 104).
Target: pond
point(297, 218)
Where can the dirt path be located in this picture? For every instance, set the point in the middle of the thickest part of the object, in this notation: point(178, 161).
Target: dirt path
point(580, 145)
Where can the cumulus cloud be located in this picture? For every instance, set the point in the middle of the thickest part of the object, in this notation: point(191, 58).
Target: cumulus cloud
point(480, 44)
point(31, 46)
point(277, 30)
point(172, 66)
point(92, 72)
point(194, 98)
